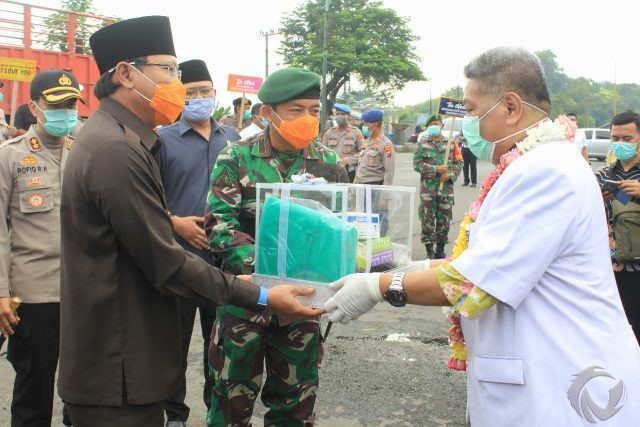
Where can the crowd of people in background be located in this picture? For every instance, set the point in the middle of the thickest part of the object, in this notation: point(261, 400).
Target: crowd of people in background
point(158, 202)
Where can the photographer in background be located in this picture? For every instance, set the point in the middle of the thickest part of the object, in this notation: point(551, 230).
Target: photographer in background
point(620, 186)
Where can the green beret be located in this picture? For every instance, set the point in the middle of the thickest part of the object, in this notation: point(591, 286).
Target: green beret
point(289, 83)
point(432, 118)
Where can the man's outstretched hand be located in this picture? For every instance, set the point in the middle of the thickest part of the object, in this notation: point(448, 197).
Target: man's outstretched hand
point(282, 299)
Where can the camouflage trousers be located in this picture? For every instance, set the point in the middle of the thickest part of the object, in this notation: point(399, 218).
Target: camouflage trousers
point(435, 214)
point(237, 355)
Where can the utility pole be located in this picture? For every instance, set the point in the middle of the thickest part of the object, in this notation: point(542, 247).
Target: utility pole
point(323, 112)
point(615, 87)
point(429, 95)
point(266, 35)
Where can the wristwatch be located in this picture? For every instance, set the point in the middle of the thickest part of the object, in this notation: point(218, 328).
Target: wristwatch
point(395, 295)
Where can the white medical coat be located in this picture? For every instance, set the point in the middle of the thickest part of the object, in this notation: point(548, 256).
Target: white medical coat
point(558, 340)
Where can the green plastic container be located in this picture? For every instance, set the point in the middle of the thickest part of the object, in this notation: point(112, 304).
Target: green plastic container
point(316, 246)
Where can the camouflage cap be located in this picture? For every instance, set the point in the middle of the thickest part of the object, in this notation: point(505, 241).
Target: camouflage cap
point(289, 83)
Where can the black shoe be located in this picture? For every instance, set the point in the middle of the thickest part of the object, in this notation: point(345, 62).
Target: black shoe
point(430, 253)
point(465, 184)
point(440, 252)
point(473, 184)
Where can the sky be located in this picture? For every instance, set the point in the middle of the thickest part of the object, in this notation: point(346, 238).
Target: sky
point(596, 39)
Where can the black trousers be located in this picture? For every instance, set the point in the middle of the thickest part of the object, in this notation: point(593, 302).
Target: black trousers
point(629, 289)
point(469, 163)
point(175, 407)
point(117, 416)
point(33, 353)
point(352, 175)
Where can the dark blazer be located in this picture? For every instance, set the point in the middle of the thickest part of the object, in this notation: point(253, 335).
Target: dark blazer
point(122, 271)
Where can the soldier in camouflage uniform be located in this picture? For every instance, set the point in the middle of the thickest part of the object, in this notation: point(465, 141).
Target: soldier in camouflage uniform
point(436, 204)
point(243, 340)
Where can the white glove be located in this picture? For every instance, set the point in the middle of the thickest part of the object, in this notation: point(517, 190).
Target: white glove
point(357, 294)
point(415, 266)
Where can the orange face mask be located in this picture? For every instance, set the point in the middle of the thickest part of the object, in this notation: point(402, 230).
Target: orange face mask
point(298, 132)
point(167, 101)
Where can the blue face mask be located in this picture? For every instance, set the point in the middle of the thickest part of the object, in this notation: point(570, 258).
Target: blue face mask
point(366, 132)
point(433, 131)
point(1, 97)
point(264, 122)
point(480, 147)
point(624, 150)
point(59, 122)
point(199, 109)
point(246, 115)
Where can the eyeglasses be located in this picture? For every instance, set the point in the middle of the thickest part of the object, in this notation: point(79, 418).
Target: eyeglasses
point(204, 91)
point(171, 69)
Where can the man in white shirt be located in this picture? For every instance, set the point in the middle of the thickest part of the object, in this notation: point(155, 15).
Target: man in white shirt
point(548, 342)
point(580, 140)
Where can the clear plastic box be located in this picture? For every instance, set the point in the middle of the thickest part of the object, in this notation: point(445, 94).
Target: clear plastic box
point(322, 232)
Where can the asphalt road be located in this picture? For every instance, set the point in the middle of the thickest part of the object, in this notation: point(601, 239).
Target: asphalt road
point(386, 369)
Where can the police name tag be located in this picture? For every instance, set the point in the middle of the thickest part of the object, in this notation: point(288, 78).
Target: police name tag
point(368, 225)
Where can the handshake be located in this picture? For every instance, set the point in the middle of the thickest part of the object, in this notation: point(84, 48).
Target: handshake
point(354, 295)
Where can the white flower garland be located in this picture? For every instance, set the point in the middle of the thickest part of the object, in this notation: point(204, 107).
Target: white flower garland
point(542, 133)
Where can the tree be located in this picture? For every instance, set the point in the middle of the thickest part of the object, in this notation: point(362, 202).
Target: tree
point(454, 92)
point(364, 40)
point(360, 100)
point(557, 80)
point(56, 27)
point(220, 112)
point(592, 101)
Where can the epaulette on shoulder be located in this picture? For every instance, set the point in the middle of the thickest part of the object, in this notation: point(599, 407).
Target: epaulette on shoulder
point(249, 141)
point(243, 141)
point(11, 141)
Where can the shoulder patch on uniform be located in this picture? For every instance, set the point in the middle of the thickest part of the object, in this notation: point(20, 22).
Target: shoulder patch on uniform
point(9, 142)
point(35, 144)
point(29, 160)
point(223, 180)
point(388, 150)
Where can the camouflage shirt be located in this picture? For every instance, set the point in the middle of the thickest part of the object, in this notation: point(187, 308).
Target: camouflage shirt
point(231, 202)
point(428, 155)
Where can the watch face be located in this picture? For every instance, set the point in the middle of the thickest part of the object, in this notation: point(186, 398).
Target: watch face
point(396, 298)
